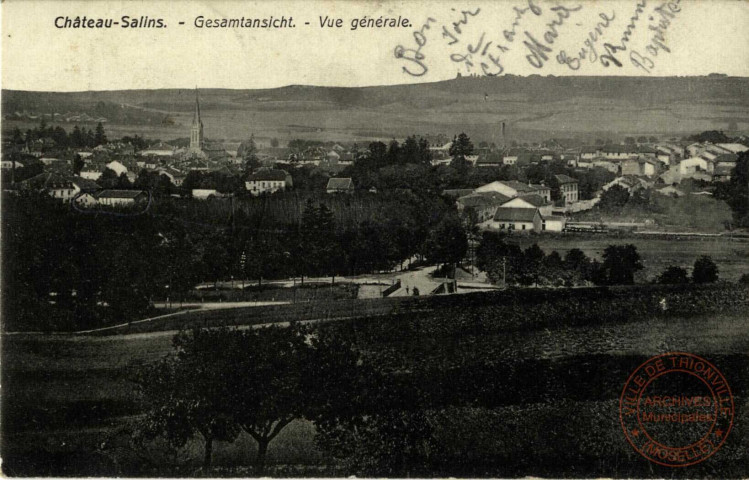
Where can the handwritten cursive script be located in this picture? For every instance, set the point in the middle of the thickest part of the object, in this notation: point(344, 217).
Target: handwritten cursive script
point(539, 49)
point(588, 51)
point(414, 55)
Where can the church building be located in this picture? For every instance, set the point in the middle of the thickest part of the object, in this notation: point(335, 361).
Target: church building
point(196, 131)
point(199, 147)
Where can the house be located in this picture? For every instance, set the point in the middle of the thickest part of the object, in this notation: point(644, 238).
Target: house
point(174, 176)
point(457, 192)
point(340, 185)
point(121, 198)
point(489, 161)
point(568, 188)
point(204, 193)
point(671, 191)
point(517, 219)
point(8, 164)
point(472, 159)
point(117, 167)
point(553, 223)
point(268, 181)
point(733, 147)
point(588, 153)
point(85, 200)
point(530, 201)
point(513, 188)
point(160, 149)
point(57, 186)
point(91, 172)
point(605, 164)
point(49, 160)
point(691, 165)
point(481, 206)
point(85, 185)
point(722, 173)
point(640, 166)
point(629, 183)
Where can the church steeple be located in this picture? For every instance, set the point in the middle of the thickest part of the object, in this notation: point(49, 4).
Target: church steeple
point(196, 132)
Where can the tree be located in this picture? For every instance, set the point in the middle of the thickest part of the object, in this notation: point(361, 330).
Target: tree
point(736, 192)
point(317, 232)
point(100, 138)
point(77, 137)
point(447, 242)
point(673, 275)
point(614, 198)
point(108, 179)
point(378, 154)
point(248, 152)
point(187, 393)
point(17, 136)
point(78, 164)
point(712, 136)
point(279, 374)
point(705, 270)
point(460, 148)
point(620, 263)
point(274, 142)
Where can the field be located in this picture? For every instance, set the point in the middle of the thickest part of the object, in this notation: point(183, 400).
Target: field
point(66, 397)
point(691, 213)
point(731, 255)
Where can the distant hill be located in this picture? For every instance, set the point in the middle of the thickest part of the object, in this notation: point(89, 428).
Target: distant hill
point(531, 107)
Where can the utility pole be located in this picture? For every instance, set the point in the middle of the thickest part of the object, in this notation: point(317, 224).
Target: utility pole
point(504, 271)
point(233, 223)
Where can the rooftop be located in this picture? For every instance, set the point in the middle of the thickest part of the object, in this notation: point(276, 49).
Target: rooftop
point(513, 214)
point(119, 193)
point(268, 175)
point(562, 179)
point(340, 183)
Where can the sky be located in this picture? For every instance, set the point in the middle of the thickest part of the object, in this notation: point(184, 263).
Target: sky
point(697, 38)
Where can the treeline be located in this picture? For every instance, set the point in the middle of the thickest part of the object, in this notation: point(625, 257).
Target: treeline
point(507, 263)
point(106, 267)
point(78, 137)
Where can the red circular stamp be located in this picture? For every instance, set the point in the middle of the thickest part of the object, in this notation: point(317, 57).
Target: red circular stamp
point(676, 409)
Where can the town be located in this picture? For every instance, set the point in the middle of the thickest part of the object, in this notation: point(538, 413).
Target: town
point(554, 180)
point(308, 306)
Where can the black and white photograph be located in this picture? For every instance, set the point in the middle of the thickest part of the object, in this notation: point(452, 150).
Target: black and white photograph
point(398, 239)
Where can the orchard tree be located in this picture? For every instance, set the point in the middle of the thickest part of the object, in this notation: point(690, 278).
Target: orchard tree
point(620, 263)
point(705, 270)
point(187, 393)
point(674, 276)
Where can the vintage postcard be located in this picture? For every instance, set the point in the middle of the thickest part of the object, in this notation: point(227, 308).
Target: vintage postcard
point(430, 238)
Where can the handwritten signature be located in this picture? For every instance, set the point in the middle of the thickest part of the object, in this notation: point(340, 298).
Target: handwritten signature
point(588, 50)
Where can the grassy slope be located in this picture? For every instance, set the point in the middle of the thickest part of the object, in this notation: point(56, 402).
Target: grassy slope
point(67, 394)
point(534, 108)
